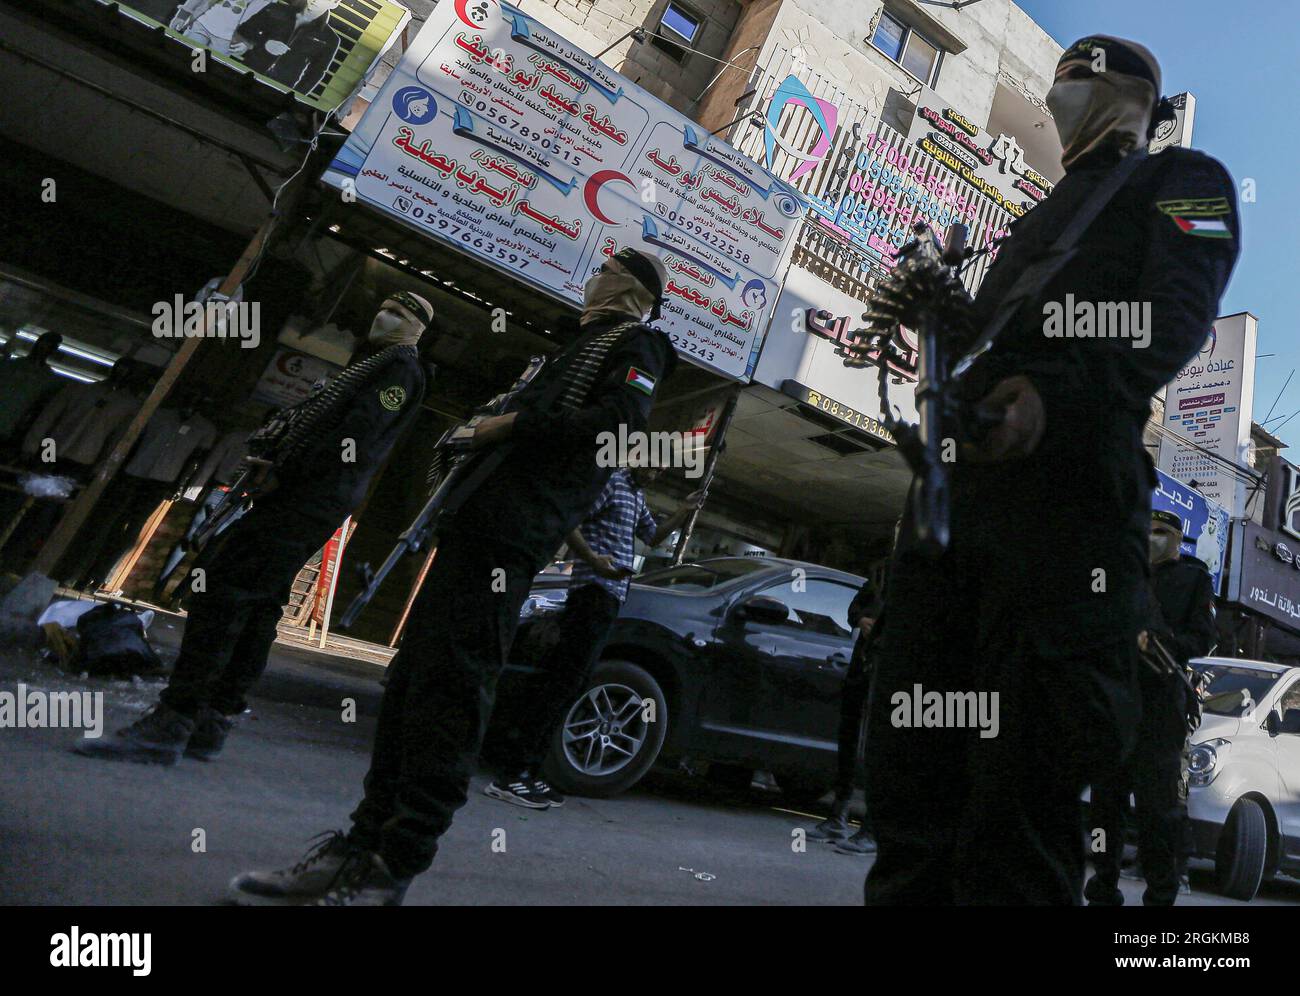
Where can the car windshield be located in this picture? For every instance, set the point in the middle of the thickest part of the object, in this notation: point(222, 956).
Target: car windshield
point(701, 577)
point(1233, 689)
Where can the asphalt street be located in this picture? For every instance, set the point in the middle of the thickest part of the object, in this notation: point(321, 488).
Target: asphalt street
point(80, 831)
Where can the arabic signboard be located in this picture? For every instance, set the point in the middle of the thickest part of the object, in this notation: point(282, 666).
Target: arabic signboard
point(1265, 576)
point(1282, 497)
point(1209, 402)
point(1179, 130)
point(865, 185)
point(321, 50)
point(995, 167)
point(508, 142)
point(1205, 524)
point(811, 326)
point(882, 189)
point(291, 377)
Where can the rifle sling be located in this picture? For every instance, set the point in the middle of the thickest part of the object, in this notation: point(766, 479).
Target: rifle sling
point(1034, 278)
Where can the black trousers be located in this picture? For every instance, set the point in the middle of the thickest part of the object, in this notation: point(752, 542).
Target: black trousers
point(1152, 773)
point(232, 621)
point(961, 818)
point(439, 697)
point(589, 614)
point(853, 703)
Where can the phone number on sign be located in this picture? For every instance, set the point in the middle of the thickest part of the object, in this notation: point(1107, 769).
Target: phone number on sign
point(694, 348)
point(689, 224)
point(459, 233)
point(552, 145)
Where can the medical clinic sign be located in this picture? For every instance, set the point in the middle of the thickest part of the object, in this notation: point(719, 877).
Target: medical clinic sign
point(1208, 403)
point(504, 140)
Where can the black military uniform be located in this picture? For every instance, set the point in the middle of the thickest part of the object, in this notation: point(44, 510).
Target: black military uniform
point(442, 683)
point(1037, 597)
point(1180, 614)
point(867, 602)
point(344, 435)
point(248, 574)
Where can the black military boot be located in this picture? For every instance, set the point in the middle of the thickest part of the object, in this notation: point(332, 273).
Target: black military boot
point(1099, 893)
point(836, 826)
point(303, 882)
point(860, 843)
point(364, 880)
point(209, 736)
point(157, 737)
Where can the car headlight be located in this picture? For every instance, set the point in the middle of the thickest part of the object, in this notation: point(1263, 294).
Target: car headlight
point(1203, 761)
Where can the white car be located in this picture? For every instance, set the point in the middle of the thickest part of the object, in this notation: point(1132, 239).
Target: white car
point(1244, 793)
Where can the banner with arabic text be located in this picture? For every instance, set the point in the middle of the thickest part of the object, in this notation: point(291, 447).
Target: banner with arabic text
point(1205, 523)
point(504, 140)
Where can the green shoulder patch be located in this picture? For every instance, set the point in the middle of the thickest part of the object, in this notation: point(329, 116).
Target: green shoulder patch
point(392, 398)
point(1195, 206)
point(1205, 217)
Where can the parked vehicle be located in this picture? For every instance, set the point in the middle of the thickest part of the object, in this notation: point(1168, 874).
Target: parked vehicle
point(1244, 796)
point(732, 660)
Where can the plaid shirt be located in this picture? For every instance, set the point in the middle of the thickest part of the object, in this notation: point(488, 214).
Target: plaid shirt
point(619, 515)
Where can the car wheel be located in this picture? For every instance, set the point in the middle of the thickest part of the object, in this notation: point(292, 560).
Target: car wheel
point(1239, 864)
point(609, 739)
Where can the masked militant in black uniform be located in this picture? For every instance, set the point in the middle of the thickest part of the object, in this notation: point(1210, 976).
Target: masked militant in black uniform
point(304, 481)
point(1179, 614)
point(438, 699)
point(1037, 599)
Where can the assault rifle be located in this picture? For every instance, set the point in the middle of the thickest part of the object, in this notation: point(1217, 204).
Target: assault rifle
point(1157, 657)
point(925, 292)
point(461, 467)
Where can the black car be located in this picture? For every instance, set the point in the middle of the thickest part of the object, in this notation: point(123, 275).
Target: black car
point(735, 661)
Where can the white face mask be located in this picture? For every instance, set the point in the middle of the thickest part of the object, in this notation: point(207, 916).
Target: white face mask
point(391, 328)
point(609, 294)
point(1069, 102)
point(1162, 547)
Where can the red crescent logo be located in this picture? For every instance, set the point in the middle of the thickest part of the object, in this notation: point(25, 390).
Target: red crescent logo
point(463, 13)
point(592, 189)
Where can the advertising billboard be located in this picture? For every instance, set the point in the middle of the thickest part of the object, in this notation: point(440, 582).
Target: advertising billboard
point(500, 138)
point(320, 50)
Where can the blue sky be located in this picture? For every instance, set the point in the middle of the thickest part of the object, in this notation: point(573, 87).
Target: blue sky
point(1240, 60)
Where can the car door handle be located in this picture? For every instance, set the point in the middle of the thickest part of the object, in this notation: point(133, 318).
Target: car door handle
point(837, 659)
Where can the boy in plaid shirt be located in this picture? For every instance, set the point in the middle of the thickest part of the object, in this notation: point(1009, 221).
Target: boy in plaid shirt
point(605, 546)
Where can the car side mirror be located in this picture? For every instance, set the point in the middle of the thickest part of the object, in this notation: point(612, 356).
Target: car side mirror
point(1273, 723)
point(763, 608)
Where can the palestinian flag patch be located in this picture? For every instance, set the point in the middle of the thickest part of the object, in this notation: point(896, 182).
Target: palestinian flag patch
point(641, 380)
point(1206, 217)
